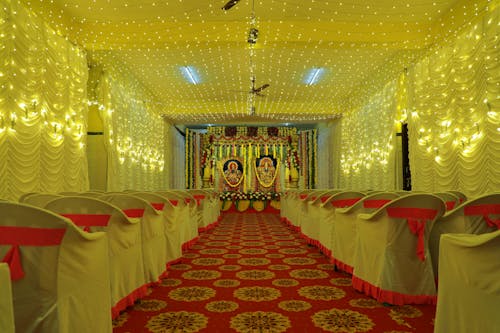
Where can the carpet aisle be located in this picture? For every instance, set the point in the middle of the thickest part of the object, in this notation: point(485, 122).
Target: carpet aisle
point(253, 274)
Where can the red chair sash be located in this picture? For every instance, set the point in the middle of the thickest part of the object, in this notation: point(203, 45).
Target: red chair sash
point(323, 199)
point(89, 220)
point(302, 196)
point(158, 205)
point(174, 202)
point(342, 203)
point(416, 218)
point(375, 203)
point(485, 210)
point(198, 198)
point(450, 205)
point(134, 212)
point(25, 236)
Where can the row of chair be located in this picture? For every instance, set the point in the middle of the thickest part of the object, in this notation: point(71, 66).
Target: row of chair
point(85, 252)
point(388, 241)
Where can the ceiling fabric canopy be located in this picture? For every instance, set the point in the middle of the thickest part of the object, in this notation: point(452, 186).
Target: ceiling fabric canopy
point(359, 46)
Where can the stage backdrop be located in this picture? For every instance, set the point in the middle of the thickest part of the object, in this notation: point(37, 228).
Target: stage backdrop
point(251, 159)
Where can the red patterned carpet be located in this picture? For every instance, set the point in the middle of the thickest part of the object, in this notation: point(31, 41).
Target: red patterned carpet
point(253, 274)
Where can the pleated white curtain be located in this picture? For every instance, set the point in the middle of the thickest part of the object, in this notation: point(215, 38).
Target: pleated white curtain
point(133, 133)
point(43, 110)
point(454, 119)
point(175, 163)
point(367, 143)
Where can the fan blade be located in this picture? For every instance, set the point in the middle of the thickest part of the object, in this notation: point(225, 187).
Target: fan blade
point(230, 4)
point(258, 90)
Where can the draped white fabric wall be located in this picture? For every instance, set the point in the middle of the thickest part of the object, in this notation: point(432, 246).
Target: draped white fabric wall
point(176, 158)
point(367, 143)
point(134, 135)
point(325, 157)
point(454, 123)
point(43, 110)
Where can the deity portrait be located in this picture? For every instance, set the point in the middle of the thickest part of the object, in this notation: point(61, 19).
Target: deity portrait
point(266, 169)
point(233, 171)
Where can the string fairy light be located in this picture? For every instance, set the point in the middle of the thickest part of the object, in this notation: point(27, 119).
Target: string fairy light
point(152, 39)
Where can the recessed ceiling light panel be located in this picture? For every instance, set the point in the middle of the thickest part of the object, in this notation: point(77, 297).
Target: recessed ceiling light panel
point(313, 76)
point(190, 74)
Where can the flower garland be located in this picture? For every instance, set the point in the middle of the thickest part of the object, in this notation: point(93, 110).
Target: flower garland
point(274, 177)
point(293, 159)
point(252, 196)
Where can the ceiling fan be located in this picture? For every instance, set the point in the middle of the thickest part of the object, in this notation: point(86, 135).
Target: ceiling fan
point(257, 91)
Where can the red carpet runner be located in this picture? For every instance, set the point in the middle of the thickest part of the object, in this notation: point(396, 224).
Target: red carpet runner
point(253, 274)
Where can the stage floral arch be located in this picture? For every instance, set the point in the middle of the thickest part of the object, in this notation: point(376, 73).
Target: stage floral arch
point(251, 164)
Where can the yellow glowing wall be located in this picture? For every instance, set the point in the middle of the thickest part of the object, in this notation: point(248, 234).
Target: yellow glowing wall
point(450, 100)
point(133, 133)
point(43, 114)
point(454, 120)
point(367, 143)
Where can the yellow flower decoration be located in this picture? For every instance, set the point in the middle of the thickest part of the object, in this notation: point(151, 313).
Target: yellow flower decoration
point(190, 294)
point(324, 293)
point(221, 306)
point(299, 261)
point(254, 261)
point(217, 244)
point(253, 251)
point(259, 321)
point(294, 305)
point(227, 283)
point(208, 261)
point(279, 267)
point(308, 274)
point(120, 320)
point(182, 321)
point(181, 267)
point(257, 294)
point(285, 282)
point(292, 250)
point(341, 282)
point(342, 321)
point(201, 275)
point(367, 303)
point(150, 305)
point(170, 282)
point(213, 251)
point(255, 274)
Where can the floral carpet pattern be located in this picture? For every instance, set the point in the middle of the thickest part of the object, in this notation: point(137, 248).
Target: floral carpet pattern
point(253, 274)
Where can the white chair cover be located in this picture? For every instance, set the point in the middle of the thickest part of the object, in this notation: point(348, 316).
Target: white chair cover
point(6, 305)
point(451, 200)
point(300, 207)
point(322, 216)
point(39, 199)
point(288, 212)
point(154, 251)
point(188, 212)
point(343, 220)
point(469, 284)
point(125, 245)
point(313, 216)
point(206, 208)
point(461, 196)
point(173, 224)
point(61, 275)
point(475, 216)
point(392, 261)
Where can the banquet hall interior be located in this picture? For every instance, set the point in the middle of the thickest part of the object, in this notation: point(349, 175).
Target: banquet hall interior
point(249, 166)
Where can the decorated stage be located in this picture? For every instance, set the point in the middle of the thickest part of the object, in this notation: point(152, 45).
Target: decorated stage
point(247, 160)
